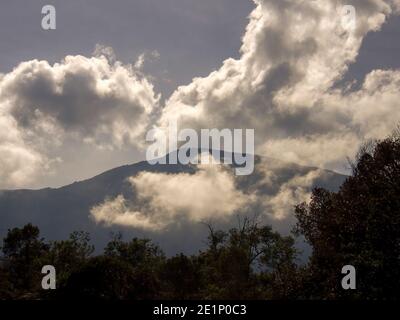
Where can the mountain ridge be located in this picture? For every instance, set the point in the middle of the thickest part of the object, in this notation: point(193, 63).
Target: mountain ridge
point(144, 163)
point(59, 211)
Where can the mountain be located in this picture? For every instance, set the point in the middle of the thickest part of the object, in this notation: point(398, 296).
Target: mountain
point(60, 211)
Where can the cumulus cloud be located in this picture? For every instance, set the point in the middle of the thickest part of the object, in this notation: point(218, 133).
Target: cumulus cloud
point(293, 54)
point(103, 103)
point(93, 100)
point(19, 163)
point(164, 198)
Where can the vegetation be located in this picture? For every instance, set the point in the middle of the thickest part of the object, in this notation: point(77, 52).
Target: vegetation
point(359, 225)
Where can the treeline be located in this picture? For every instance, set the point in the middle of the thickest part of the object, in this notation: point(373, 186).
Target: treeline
point(359, 225)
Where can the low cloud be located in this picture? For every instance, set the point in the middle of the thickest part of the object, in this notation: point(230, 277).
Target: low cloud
point(295, 191)
point(164, 199)
point(117, 212)
point(213, 193)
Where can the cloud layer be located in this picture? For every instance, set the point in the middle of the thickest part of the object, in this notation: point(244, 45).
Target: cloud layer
point(159, 200)
point(164, 199)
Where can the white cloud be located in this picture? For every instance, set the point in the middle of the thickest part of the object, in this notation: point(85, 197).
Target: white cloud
point(213, 192)
point(106, 104)
point(210, 193)
point(84, 99)
point(295, 191)
point(145, 57)
point(117, 212)
point(19, 163)
point(321, 150)
point(293, 53)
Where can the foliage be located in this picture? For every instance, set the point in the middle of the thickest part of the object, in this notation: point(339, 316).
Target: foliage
point(359, 226)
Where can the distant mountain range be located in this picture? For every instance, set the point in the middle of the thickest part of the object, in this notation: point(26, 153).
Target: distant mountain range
point(60, 211)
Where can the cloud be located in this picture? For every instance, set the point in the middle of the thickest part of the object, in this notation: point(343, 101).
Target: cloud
point(19, 163)
point(213, 192)
point(277, 186)
point(283, 85)
point(101, 50)
point(146, 56)
point(321, 150)
point(164, 199)
point(102, 103)
point(94, 100)
point(117, 212)
point(295, 191)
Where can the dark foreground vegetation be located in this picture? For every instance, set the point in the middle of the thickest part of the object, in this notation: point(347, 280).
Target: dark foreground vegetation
point(359, 226)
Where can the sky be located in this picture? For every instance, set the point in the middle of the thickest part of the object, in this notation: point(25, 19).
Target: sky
point(77, 100)
point(192, 37)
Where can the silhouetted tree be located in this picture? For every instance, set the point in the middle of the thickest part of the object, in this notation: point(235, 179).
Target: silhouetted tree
point(69, 255)
point(100, 277)
point(5, 284)
point(146, 260)
point(359, 226)
point(24, 252)
point(181, 278)
point(248, 262)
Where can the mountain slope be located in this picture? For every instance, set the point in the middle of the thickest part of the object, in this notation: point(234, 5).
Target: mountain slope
point(60, 211)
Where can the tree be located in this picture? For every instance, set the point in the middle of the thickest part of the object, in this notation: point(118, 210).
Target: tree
point(5, 284)
point(180, 278)
point(248, 262)
point(137, 252)
point(145, 258)
point(101, 277)
point(69, 255)
point(359, 225)
point(24, 251)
